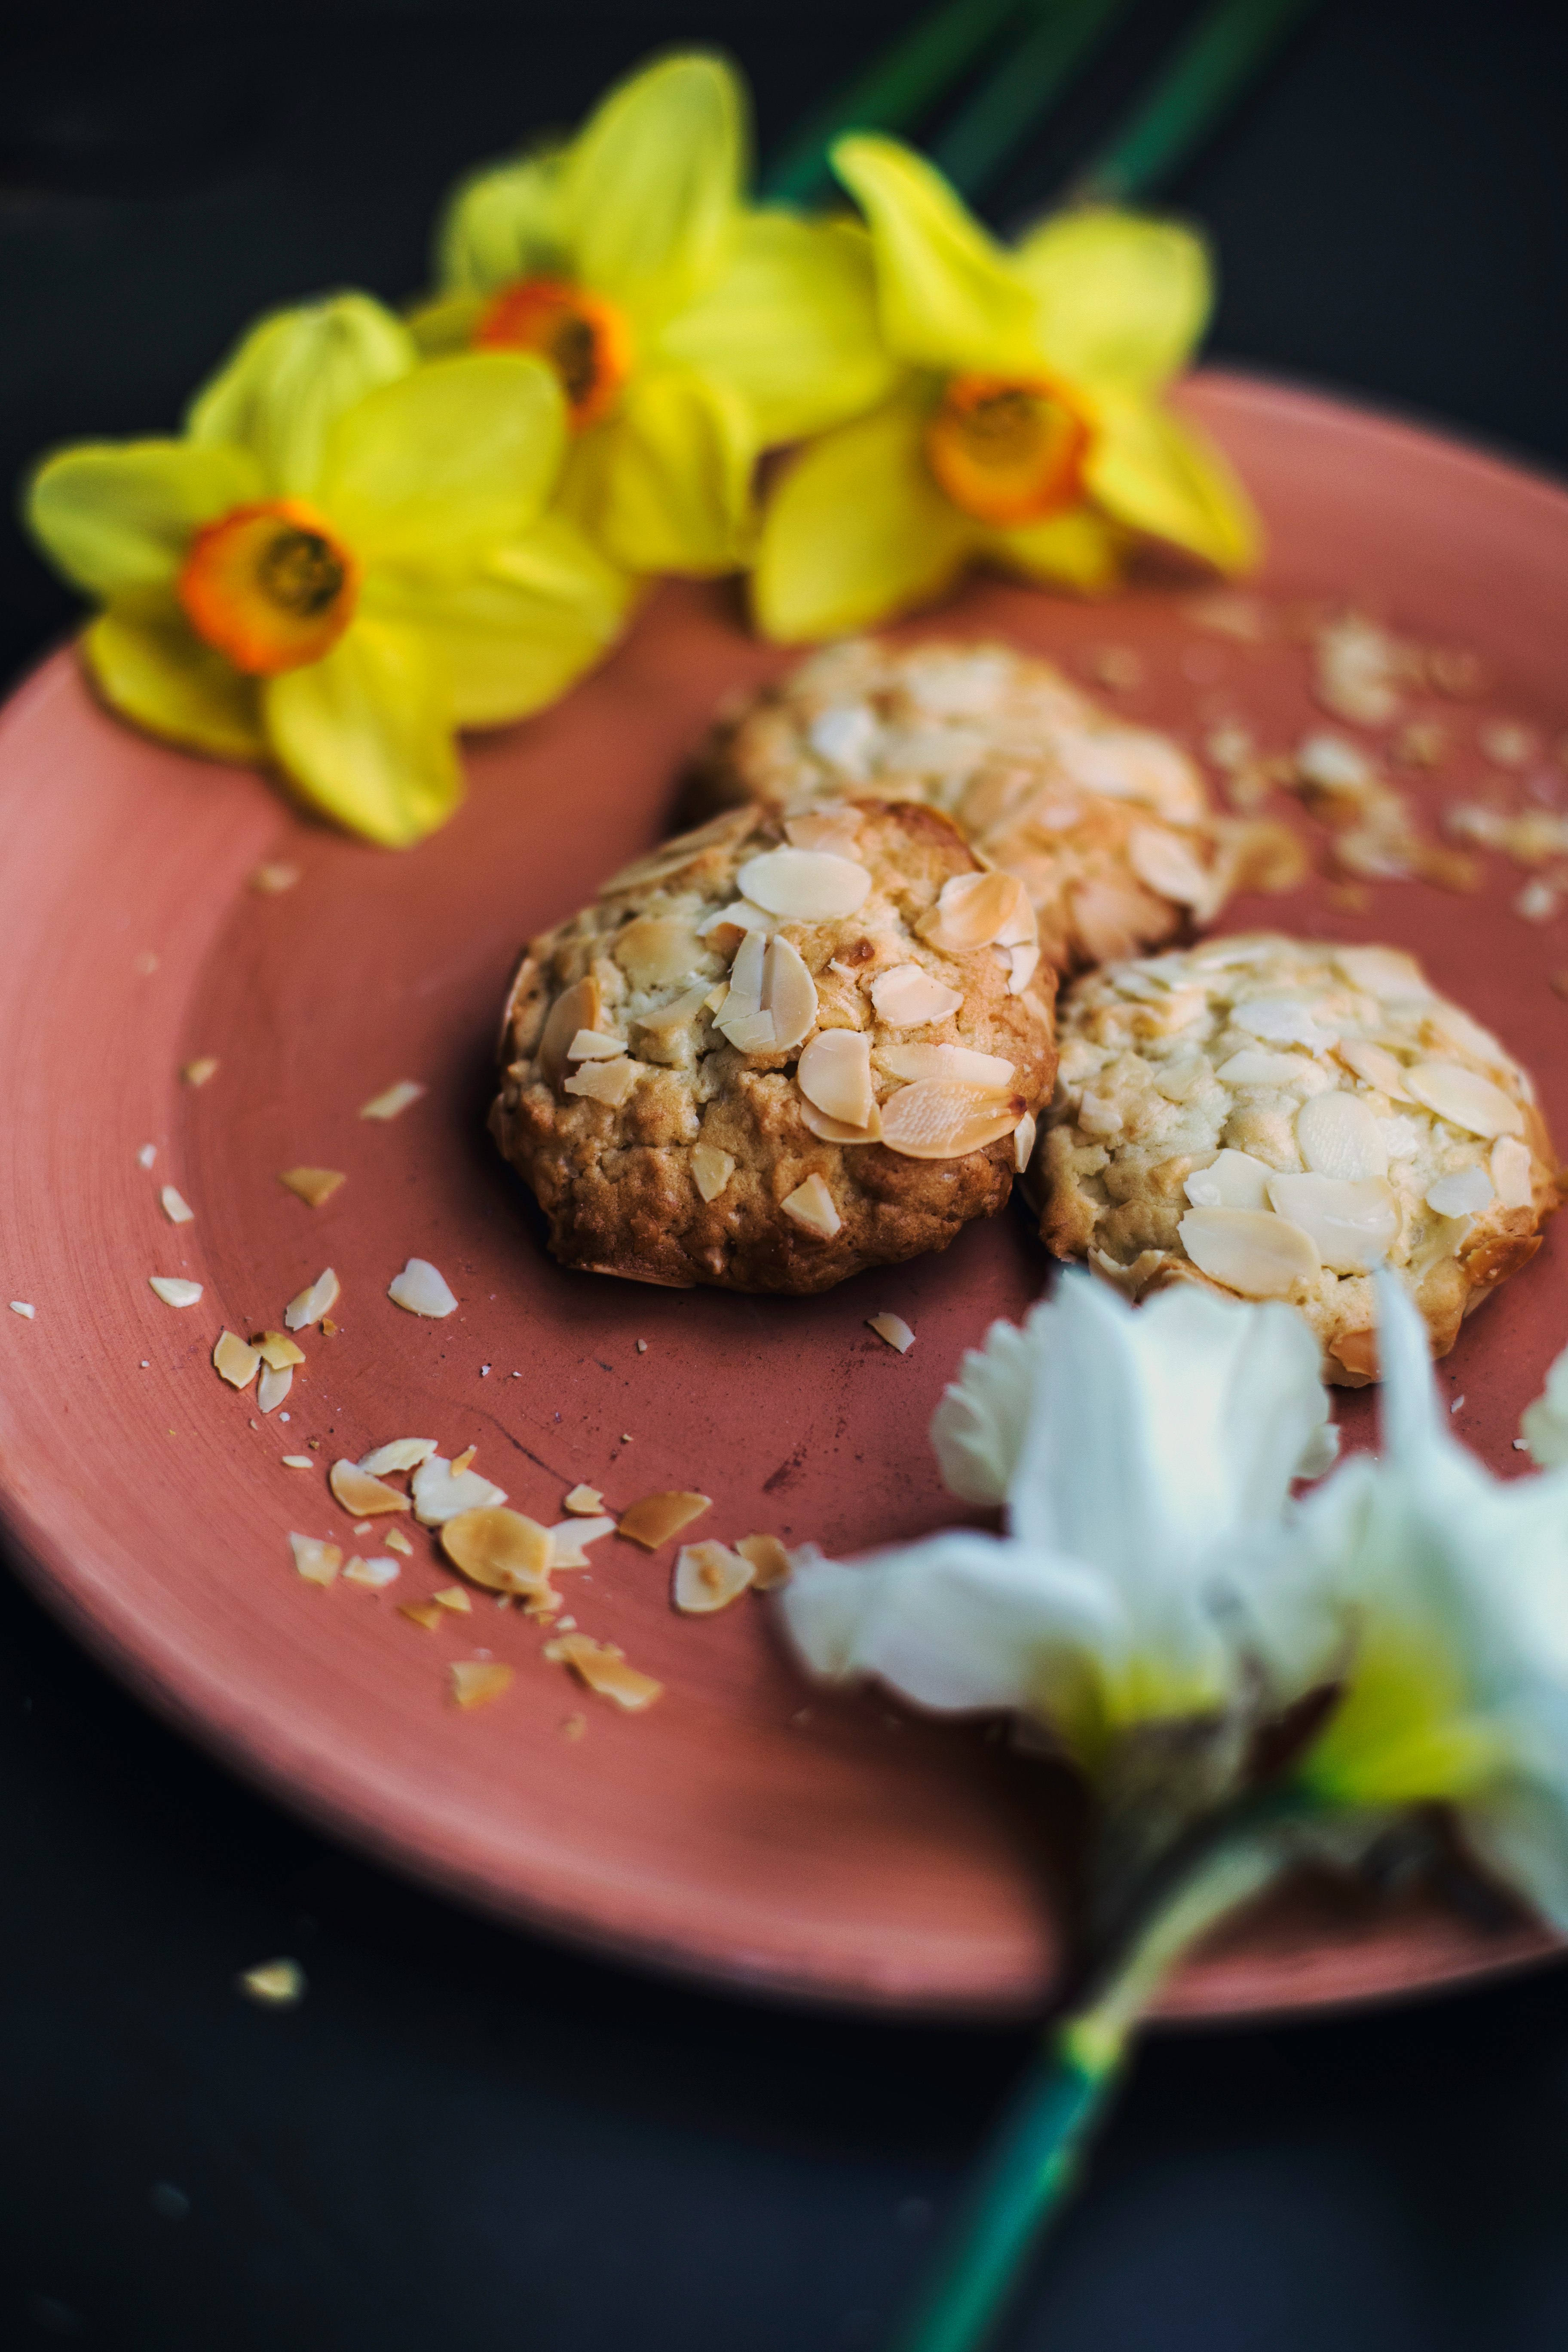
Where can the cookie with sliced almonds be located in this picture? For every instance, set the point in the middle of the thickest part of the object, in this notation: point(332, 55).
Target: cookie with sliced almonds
point(779, 1050)
point(1109, 826)
point(1278, 1117)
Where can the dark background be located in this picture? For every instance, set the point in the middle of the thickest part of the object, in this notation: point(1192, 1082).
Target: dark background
point(463, 2138)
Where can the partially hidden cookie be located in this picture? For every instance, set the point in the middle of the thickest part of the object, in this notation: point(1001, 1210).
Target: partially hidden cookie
point(777, 1051)
point(1109, 826)
point(1275, 1119)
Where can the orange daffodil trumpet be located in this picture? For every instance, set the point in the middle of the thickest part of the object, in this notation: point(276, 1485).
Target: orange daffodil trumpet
point(690, 332)
point(346, 556)
point(1027, 428)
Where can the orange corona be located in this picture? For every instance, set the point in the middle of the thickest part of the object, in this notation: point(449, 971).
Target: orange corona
point(269, 586)
point(587, 342)
point(1007, 452)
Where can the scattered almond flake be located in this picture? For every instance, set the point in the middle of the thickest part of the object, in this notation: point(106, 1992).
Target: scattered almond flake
point(272, 880)
point(574, 1726)
point(1455, 1403)
point(812, 1207)
point(484, 1372)
point(275, 1347)
point(312, 1304)
point(395, 1541)
point(178, 1211)
point(893, 1329)
point(145, 964)
point(297, 1462)
point(197, 1073)
point(708, 1577)
point(805, 884)
point(605, 1670)
point(275, 1984)
point(1360, 671)
point(453, 1597)
point(146, 1156)
point(236, 1360)
point(317, 1562)
point(769, 1559)
point(626, 1437)
point(642, 1346)
point(936, 1118)
point(592, 1046)
point(272, 1388)
point(586, 1502)
point(475, 1680)
point(503, 1550)
point(360, 1494)
point(376, 1574)
point(1023, 1142)
point(24, 1306)
point(428, 1613)
point(1538, 901)
point(657, 1517)
point(568, 1537)
point(395, 1101)
point(314, 1186)
point(1530, 836)
point(463, 1461)
point(1229, 614)
point(606, 1082)
point(329, 1328)
point(398, 1454)
point(419, 1289)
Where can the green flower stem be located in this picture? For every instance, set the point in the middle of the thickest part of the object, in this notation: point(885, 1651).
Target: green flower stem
point(1033, 2162)
point(1226, 48)
point(1021, 90)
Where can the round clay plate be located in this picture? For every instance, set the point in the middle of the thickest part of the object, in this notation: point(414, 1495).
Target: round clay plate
point(745, 1828)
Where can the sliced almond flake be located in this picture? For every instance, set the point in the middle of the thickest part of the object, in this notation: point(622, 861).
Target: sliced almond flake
point(463, 1461)
point(657, 1517)
point(275, 1347)
point(736, 917)
point(568, 1537)
point(1376, 1065)
point(678, 1013)
point(958, 1062)
point(812, 1207)
point(585, 1502)
point(375, 1574)
point(1023, 963)
point(1387, 973)
point(606, 1082)
point(751, 1032)
point(711, 1170)
point(1465, 1099)
point(1023, 1142)
point(146, 1156)
point(395, 1541)
point(789, 995)
point(440, 1494)
point(362, 1497)
point(477, 1680)
point(1513, 1172)
point(1233, 1179)
point(197, 1073)
point(317, 1562)
point(893, 1329)
point(708, 1577)
point(605, 1670)
point(427, 1613)
point(329, 1328)
point(814, 885)
point(577, 1007)
point(835, 1073)
point(298, 1461)
point(1255, 1067)
point(1249, 1250)
point(909, 997)
point(594, 1045)
point(420, 1289)
point(1283, 1021)
point(770, 1561)
point(1170, 869)
point(977, 910)
point(178, 1210)
point(1465, 1191)
point(1353, 1226)
point(397, 1453)
point(275, 1984)
point(312, 1304)
point(835, 829)
point(656, 950)
point(395, 1101)
point(453, 1597)
point(236, 1360)
point(25, 1308)
point(312, 1185)
point(503, 1550)
point(937, 1119)
point(272, 879)
point(837, 1130)
point(1337, 1135)
point(272, 1388)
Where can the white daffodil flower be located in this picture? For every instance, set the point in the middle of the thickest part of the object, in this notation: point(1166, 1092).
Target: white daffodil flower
point(1544, 1424)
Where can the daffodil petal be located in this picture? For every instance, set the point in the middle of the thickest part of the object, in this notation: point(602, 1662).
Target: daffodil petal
point(159, 674)
point(446, 325)
point(292, 377)
point(117, 517)
point(1156, 473)
point(666, 485)
point(1076, 549)
point(856, 531)
point(516, 635)
point(790, 322)
point(449, 463)
point(504, 223)
point(651, 184)
point(364, 734)
point(950, 297)
point(1123, 302)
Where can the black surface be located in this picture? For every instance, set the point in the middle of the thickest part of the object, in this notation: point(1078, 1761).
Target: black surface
point(462, 2138)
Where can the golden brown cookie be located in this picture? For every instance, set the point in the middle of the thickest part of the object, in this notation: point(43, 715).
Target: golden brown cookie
point(777, 1051)
point(1109, 826)
point(1274, 1118)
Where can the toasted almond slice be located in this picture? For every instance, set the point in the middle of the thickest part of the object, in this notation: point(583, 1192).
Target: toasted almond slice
point(318, 1563)
point(428, 1613)
point(397, 1453)
point(585, 1502)
point(1386, 973)
point(789, 994)
point(812, 1207)
point(838, 829)
point(1464, 1193)
point(835, 1073)
point(1378, 1067)
point(1337, 1135)
point(678, 1013)
point(569, 1537)
point(420, 1289)
point(657, 1517)
point(1465, 1099)
point(594, 1045)
point(1023, 963)
point(575, 1008)
point(298, 1461)
point(711, 1170)
point(978, 909)
point(312, 1304)
point(314, 1186)
point(393, 1102)
point(893, 1329)
point(178, 1210)
point(453, 1597)
point(273, 1387)
point(361, 1495)
point(605, 1671)
point(174, 1289)
point(477, 1680)
point(275, 1347)
point(770, 1561)
point(834, 1130)
point(395, 1541)
point(500, 1549)
point(197, 1073)
point(606, 1082)
point(936, 1118)
point(270, 880)
point(1513, 1172)
point(442, 1492)
point(655, 950)
point(1249, 1250)
point(959, 1061)
point(1352, 1224)
point(375, 1575)
point(909, 997)
point(236, 1360)
point(1023, 1142)
point(709, 1576)
point(1233, 1179)
point(812, 886)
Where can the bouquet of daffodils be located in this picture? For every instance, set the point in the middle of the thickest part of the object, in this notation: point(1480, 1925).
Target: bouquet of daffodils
point(1243, 1679)
point(376, 530)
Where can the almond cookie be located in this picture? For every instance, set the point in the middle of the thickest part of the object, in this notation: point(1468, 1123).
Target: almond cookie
point(778, 1050)
point(1109, 826)
point(1275, 1118)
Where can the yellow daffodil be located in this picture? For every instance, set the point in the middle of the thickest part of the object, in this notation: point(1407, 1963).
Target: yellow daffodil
point(1027, 429)
point(347, 555)
point(690, 332)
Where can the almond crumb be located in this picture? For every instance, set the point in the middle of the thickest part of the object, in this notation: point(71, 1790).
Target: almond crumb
point(174, 1289)
point(427, 1613)
point(586, 1502)
point(605, 1670)
point(312, 1185)
point(275, 1347)
point(395, 1101)
point(236, 1360)
point(375, 1575)
point(297, 1462)
point(275, 1984)
point(395, 1541)
point(317, 1562)
point(361, 1496)
point(475, 1680)
point(197, 1073)
point(770, 1561)
point(178, 1210)
point(271, 880)
point(312, 1304)
point(708, 1577)
point(574, 1726)
point(464, 1461)
point(25, 1308)
point(453, 1597)
point(657, 1517)
point(419, 1289)
point(893, 1329)
point(145, 1157)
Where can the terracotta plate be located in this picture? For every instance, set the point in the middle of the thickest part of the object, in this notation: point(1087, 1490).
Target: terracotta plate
point(743, 1829)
